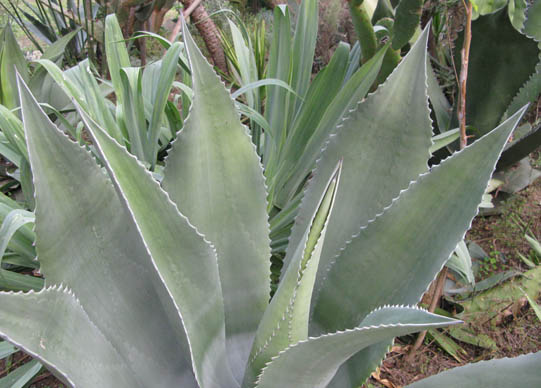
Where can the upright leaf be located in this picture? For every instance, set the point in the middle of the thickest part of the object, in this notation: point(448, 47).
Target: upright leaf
point(168, 70)
point(384, 145)
point(323, 89)
point(91, 245)
point(185, 261)
point(304, 45)
point(276, 107)
point(116, 52)
point(286, 319)
point(11, 61)
point(214, 176)
point(295, 166)
point(393, 259)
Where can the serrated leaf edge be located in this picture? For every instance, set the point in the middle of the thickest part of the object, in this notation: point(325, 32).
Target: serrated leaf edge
point(347, 116)
point(394, 200)
point(357, 329)
point(128, 208)
point(246, 133)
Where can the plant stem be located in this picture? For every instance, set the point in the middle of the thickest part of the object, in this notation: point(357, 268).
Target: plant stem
point(438, 291)
point(464, 74)
point(363, 27)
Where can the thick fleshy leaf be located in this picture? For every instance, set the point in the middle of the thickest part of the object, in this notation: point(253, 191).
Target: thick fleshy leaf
point(440, 104)
point(312, 363)
point(521, 371)
point(384, 145)
point(134, 110)
point(401, 251)
point(286, 319)
point(516, 10)
point(505, 63)
point(102, 259)
point(185, 261)
point(407, 18)
point(52, 326)
point(168, 69)
point(214, 176)
point(530, 91)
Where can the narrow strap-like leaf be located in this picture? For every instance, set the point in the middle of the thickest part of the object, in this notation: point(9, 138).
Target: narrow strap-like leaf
point(312, 363)
point(384, 145)
point(185, 261)
point(117, 54)
point(395, 257)
point(279, 68)
point(52, 326)
point(22, 375)
point(295, 166)
point(521, 371)
point(168, 69)
point(214, 176)
point(87, 241)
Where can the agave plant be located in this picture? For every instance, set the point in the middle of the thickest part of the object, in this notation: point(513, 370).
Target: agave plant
point(167, 285)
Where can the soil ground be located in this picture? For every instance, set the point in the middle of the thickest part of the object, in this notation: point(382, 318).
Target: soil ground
point(515, 331)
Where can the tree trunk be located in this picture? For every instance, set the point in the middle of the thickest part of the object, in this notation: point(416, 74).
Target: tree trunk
point(210, 34)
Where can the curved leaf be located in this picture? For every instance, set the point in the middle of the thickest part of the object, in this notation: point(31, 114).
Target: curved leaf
point(91, 245)
point(49, 325)
point(185, 261)
point(521, 371)
point(312, 363)
point(400, 252)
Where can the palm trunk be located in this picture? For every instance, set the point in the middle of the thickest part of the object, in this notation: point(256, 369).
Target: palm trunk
point(209, 32)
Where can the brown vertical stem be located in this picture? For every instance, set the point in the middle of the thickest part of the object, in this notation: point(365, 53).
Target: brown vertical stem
point(438, 291)
point(207, 29)
point(464, 74)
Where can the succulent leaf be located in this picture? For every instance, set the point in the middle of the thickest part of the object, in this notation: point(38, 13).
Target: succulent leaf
point(286, 319)
point(312, 363)
point(407, 18)
point(214, 176)
point(400, 252)
point(185, 261)
point(384, 145)
point(507, 372)
point(505, 63)
point(91, 245)
point(48, 325)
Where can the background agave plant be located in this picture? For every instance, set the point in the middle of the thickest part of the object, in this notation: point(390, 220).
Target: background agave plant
point(151, 285)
